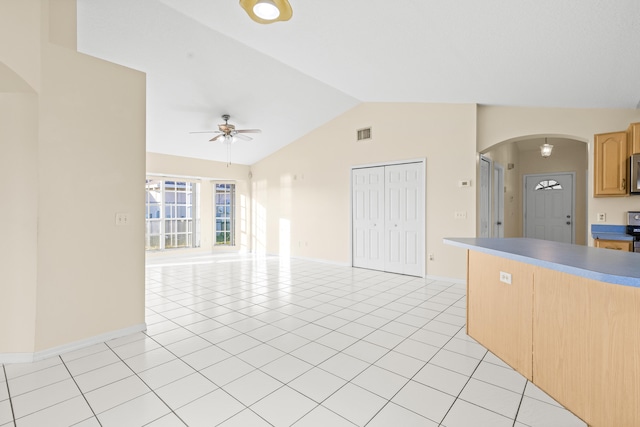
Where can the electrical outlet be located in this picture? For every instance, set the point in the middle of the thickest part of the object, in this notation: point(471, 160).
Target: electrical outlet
point(460, 215)
point(602, 217)
point(505, 277)
point(431, 257)
point(122, 218)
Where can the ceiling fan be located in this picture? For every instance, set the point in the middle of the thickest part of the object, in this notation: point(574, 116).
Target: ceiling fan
point(228, 134)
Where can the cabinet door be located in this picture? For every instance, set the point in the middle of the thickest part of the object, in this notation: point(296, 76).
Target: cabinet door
point(587, 347)
point(633, 134)
point(499, 315)
point(611, 164)
point(620, 245)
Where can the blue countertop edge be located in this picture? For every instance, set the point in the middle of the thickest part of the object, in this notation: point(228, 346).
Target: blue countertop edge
point(604, 265)
point(610, 232)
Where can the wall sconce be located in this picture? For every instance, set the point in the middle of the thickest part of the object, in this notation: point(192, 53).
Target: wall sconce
point(267, 11)
point(545, 149)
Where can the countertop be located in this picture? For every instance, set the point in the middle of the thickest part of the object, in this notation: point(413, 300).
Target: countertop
point(605, 265)
point(610, 232)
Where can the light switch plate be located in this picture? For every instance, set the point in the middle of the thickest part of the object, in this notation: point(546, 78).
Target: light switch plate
point(122, 218)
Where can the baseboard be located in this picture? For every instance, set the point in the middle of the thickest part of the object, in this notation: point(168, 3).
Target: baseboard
point(324, 261)
point(65, 348)
point(446, 279)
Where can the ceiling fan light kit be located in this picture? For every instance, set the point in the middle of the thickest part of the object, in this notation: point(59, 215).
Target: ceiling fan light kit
point(228, 134)
point(267, 11)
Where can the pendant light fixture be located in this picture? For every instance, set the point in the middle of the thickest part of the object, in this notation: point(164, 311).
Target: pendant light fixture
point(267, 11)
point(545, 149)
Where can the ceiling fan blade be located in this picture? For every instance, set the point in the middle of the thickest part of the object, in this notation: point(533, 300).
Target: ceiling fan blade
point(243, 137)
point(249, 131)
point(207, 131)
point(215, 138)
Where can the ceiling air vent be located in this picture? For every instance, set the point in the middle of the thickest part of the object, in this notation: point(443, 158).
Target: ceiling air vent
point(364, 134)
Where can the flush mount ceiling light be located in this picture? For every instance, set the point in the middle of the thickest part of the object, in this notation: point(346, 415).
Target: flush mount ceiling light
point(267, 11)
point(545, 149)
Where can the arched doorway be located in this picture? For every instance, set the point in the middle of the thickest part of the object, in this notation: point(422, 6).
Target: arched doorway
point(521, 156)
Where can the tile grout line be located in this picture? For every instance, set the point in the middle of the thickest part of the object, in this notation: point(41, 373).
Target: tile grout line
point(13, 414)
point(80, 390)
point(425, 364)
point(515, 418)
point(151, 389)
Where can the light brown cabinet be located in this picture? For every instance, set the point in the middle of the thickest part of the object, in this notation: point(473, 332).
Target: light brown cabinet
point(499, 314)
point(584, 333)
point(586, 341)
point(620, 245)
point(633, 137)
point(611, 164)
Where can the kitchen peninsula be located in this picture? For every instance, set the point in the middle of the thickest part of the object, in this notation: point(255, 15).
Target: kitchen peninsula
point(567, 317)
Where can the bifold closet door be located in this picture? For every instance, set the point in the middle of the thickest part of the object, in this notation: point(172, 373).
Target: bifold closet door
point(388, 218)
point(404, 219)
point(368, 217)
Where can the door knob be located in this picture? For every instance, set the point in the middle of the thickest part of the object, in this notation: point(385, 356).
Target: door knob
point(568, 216)
point(568, 222)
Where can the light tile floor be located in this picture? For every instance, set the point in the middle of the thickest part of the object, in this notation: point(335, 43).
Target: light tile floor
point(242, 341)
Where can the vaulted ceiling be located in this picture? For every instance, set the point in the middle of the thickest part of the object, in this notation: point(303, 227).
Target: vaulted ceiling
point(205, 58)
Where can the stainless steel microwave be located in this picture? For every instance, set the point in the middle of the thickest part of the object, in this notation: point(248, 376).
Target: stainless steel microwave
point(634, 179)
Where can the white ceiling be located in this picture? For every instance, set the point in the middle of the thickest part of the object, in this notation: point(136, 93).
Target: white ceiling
point(205, 58)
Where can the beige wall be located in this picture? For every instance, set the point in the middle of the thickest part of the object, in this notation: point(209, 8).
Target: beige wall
point(19, 214)
point(207, 172)
point(301, 194)
point(76, 144)
point(499, 124)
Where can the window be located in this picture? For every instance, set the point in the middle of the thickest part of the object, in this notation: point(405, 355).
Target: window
point(171, 214)
point(225, 201)
point(549, 185)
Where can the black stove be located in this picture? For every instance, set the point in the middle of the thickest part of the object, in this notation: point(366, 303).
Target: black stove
point(633, 229)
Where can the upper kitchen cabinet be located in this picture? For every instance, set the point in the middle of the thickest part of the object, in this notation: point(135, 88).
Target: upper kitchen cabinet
point(611, 164)
point(633, 136)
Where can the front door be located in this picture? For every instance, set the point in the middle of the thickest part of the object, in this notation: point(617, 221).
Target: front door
point(548, 212)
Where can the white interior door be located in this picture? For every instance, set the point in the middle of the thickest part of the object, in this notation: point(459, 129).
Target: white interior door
point(368, 217)
point(485, 196)
point(404, 220)
point(388, 218)
point(549, 207)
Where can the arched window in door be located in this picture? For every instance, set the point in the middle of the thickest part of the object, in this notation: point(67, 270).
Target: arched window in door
point(550, 184)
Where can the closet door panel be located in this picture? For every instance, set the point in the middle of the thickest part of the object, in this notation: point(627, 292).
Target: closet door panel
point(388, 218)
point(368, 218)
